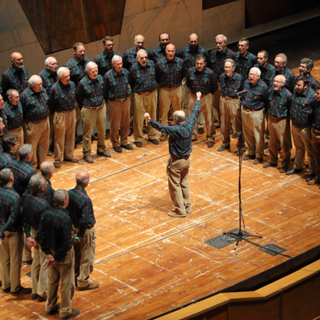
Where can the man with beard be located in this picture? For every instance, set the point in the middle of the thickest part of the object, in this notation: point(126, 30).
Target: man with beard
point(170, 71)
point(49, 78)
point(202, 79)
point(306, 66)
point(3, 117)
point(254, 104)
point(280, 99)
point(217, 60)
point(62, 106)
point(77, 66)
point(301, 113)
point(159, 52)
point(267, 70)
point(16, 77)
point(89, 96)
point(143, 84)
point(280, 63)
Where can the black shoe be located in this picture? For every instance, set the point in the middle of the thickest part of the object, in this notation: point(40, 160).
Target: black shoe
point(29, 262)
point(138, 144)
point(240, 152)
point(7, 290)
point(34, 296)
point(231, 131)
point(293, 171)
point(130, 132)
point(292, 159)
point(145, 130)
point(269, 164)
point(41, 299)
point(55, 311)
point(22, 291)
point(117, 149)
point(154, 141)
point(310, 177)
point(235, 135)
point(217, 125)
point(283, 169)
point(249, 157)
point(74, 313)
point(201, 130)
point(258, 160)
point(94, 137)
point(127, 146)
point(223, 147)
point(266, 145)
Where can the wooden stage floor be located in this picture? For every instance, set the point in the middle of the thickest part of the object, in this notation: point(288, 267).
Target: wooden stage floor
point(148, 263)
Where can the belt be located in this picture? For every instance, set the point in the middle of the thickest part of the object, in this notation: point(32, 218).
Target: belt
point(277, 117)
point(316, 131)
point(249, 110)
point(18, 129)
point(119, 100)
point(39, 121)
point(94, 108)
point(230, 98)
point(67, 111)
point(146, 93)
point(170, 88)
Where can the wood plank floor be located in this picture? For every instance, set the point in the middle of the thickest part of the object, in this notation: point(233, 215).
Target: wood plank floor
point(148, 263)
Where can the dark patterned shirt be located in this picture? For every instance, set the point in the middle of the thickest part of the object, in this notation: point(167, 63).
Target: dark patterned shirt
point(244, 64)
point(116, 85)
point(104, 62)
point(35, 105)
point(48, 79)
point(267, 74)
point(4, 118)
point(230, 85)
point(189, 57)
point(129, 57)
point(156, 54)
point(301, 111)
point(13, 79)
point(290, 78)
point(77, 69)
point(217, 60)
point(81, 210)
point(48, 195)
point(279, 102)
point(22, 171)
point(169, 73)
point(62, 97)
point(33, 207)
point(90, 92)
point(10, 213)
point(13, 115)
point(204, 81)
point(313, 82)
point(180, 135)
point(316, 115)
point(5, 160)
point(143, 79)
point(56, 232)
point(257, 96)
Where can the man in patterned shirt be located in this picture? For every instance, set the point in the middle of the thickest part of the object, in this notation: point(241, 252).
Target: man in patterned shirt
point(3, 117)
point(11, 235)
point(2, 126)
point(180, 144)
point(33, 207)
point(57, 243)
point(267, 70)
point(306, 65)
point(62, 106)
point(301, 114)
point(253, 115)
point(159, 51)
point(47, 171)
point(170, 71)
point(230, 82)
point(10, 145)
point(16, 77)
point(143, 84)
point(5, 158)
point(280, 63)
point(117, 92)
point(280, 99)
point(83, 220)
point(89, 96)
point(202, 79)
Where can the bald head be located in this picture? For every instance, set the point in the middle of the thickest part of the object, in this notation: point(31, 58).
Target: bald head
point(193, 42)
point(278, 82)
point(179, 117)
point(82, 179)
point(170, 51)
point(139, 41)
point(17, 60)
point(47, 169)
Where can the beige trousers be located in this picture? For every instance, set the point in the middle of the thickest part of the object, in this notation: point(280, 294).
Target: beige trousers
point(216, 104)
point(78, 117)
point(90, 119)
point(64, 128)
point(20, 135)
point(316, 150)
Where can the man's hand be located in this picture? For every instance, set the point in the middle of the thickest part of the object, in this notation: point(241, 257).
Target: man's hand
point(50, 261)
point(31, 242)
point(7, 233)
point(0, 241)
point(198, 94)
point(147, 117)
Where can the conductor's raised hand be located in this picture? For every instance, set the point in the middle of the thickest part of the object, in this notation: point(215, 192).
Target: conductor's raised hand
point(198, 94)
point(147, 117)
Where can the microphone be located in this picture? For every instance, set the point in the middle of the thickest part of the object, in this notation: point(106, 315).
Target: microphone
point(241, 92)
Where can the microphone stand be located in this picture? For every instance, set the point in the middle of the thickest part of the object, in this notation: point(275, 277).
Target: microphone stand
point(241, 235)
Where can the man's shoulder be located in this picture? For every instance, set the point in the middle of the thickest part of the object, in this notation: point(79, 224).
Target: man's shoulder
point(70, 63)
point(8, 192)
point(270, 67)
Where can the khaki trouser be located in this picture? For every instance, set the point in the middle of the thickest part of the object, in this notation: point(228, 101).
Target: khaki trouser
point(144, 103)
point(178, 182)
point(37, 134)
point(279, 129)
point(253, 123)
point(20, 135)
point(64, 129)
point(131, 109)
point(26, 252)
point(119, 115)
point(63, 271)
point(51, 137)
point(216, 104)
point(90, 118)
point(85, 251)
point(206, 108)
point(10, 260)
point(230, 112)
point(316, 150)
point(78, 118)
point(302, 141)
point(166, 97)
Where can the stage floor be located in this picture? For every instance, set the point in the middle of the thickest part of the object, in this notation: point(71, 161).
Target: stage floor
point(148, 263)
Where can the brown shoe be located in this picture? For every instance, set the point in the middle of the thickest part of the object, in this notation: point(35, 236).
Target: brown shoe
point(88, 158)
point(57, 165)
point(257, 160)
point(41, 299)
point(210, 144)
point(73, 160)
point(176, 215)
point(105, 153)
point(248, 157)
point(313, 182)
point(54, 311)
point(34, 296)
point(163, 137)
point(91, 286)
point(74, 313)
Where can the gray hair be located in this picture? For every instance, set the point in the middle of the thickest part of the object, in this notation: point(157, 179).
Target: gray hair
point(36, 182)
point(231, 61)
point(24, 150)
point(308, 62)
point(222, 36)
point(283, 56)
point(135, 38)
point(47, 61)
point(91, 65)
point(34, 79)
point(115, 58)
point(10, 92)
point(141, 51)
point(1, 120)
point(61, 70)
point(82, 177)
point(59, 196)
point(46, 167)
point(258, 71)
point(5, 176)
